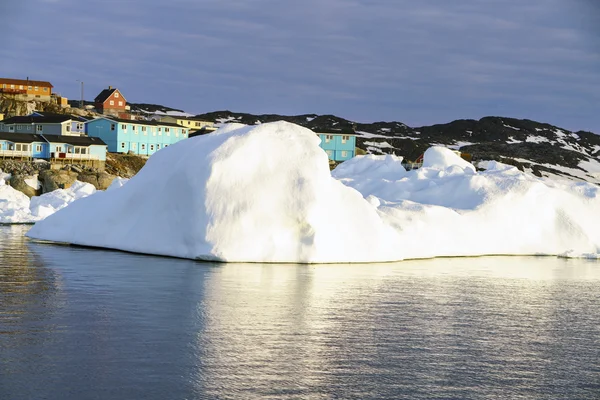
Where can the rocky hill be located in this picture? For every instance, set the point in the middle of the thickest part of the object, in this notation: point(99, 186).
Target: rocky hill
point(539, 148)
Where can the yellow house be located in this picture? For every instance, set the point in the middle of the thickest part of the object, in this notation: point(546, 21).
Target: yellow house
point(193, 123)
point(27, 89)
point(1, 116)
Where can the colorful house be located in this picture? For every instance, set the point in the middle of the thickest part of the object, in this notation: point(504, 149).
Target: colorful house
point(75, 148)
point(192, 123)
point(25, 89)
point(22, 145)
point(338, 145)
point(110, 102)
point(53, 124)
point(133, 136)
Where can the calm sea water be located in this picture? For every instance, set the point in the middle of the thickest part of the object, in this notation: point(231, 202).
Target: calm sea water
point(88, 324)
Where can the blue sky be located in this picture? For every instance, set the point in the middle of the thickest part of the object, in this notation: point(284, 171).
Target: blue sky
point(419, 62)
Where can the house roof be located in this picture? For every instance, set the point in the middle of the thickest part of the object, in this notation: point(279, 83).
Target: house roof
point(187, 118)
point(105, 94)
point(345, 132)
point(25, 82)
point(138, 122)
point(75, 140)
point(71, 116)
point(21, 137)
point(31, 119)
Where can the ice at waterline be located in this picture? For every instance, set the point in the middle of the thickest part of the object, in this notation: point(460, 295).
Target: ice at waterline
point(265, 194)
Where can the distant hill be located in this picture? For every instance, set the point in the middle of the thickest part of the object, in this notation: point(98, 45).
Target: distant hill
point(540, 148)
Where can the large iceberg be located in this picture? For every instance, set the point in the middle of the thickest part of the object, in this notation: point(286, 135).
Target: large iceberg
point(265, 194)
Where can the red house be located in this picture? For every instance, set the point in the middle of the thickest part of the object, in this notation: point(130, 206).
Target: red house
point(110, 102)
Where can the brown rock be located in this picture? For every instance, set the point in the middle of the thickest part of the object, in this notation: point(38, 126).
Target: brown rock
point(52, 180)
point(18, 183)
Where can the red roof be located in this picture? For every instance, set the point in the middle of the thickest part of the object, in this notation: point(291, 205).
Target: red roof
point(25, 82)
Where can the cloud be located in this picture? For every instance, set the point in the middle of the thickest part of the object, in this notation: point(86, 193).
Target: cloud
point(419, 62)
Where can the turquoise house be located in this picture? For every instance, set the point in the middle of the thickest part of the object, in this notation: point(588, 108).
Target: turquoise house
point(74, 148)
point(339, 146)
point(51, 147)
point(138, 137)
point(22, 145)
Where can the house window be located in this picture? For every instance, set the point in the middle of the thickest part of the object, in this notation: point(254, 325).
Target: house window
point(159, 131)
point(29, 88)
point(20, 87)
point(345, 139)
point(77, 150)
point(39, 128)
point(68, 128)
point(133, 146)
point(45, 89)
point(112, 127)
point(112, 102)
point(122, 145)
point(154, 131)
point(124, 127)
point(11, 128)
point(13, 86)
point(151, 147)
point(328, 138)
point(36, 88)
point(143, 146)
point(38, 148)
point(117, 96)
point(20, 127)
point(144, 130)
point(120, 103)
point(158, 147)
point(168, 131)
point(57, 149)
point(344, 153)
point(11, 146)
point(79, 127)
point(183, 131)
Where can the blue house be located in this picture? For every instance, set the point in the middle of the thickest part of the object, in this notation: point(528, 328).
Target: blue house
point(22, 145)
point(46, 123)
point(339, 145)
point(75, 148)
point(138, 137)
point(54, 148)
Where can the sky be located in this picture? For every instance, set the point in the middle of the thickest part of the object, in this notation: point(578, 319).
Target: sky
point(418, 62)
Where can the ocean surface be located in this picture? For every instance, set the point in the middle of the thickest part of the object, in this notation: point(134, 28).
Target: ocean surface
point(79, 323)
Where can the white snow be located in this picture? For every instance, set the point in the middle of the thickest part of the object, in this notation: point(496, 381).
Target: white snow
point(512, 140)
point(265, 194)
point(536, 139)
point(16, 207)
point(511, 127)
point(33, 182)
point(4, 177)
point(380, 144)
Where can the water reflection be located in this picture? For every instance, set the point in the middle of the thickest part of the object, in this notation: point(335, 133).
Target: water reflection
point(102, 324)
point(419, 328)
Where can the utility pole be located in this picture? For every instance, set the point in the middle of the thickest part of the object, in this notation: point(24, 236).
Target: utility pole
point(81, 101)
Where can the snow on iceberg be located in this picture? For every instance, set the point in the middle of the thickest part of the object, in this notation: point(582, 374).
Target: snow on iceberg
point(265, 194)
point(17, 208)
